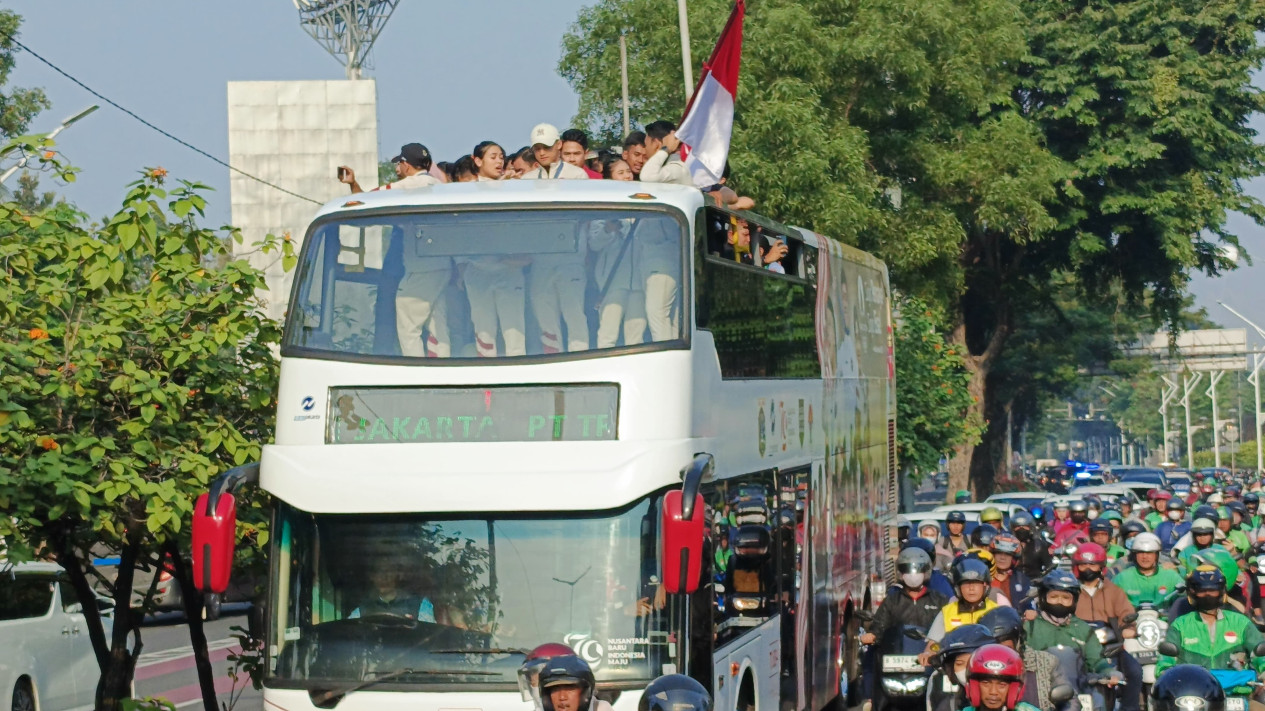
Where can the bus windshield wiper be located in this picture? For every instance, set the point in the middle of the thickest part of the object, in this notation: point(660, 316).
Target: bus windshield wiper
point(481, 650)
point(323, 697)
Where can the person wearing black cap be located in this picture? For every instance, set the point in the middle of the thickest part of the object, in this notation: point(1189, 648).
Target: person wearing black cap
point(411, 167)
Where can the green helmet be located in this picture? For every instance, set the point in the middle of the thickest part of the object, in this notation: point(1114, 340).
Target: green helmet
point(992, 513)
point(1223, 559)
point(962, 497)
point(1111, 516)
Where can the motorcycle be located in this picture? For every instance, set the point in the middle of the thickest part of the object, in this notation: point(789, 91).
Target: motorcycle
point(901, 681)
point(1151, 627)
point(1239, 684)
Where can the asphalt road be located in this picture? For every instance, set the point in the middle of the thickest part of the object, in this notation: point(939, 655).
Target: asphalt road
point(166, 667)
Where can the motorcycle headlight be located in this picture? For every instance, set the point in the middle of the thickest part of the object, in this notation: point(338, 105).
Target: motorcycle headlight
point(746, 603)
point(1149, 634)
point(893, 686)
point(917, 685)
point(1191, 703)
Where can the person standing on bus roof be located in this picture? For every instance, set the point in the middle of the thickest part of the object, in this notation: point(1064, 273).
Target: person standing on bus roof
point(494, 283)
point(558, 280)
point(546, 145)
point(665, 164)
point(623, 300)
point(635, 152)
point(411, 167)
point(575, 150)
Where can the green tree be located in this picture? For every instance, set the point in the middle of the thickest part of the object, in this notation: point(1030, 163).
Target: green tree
point(28, 195)
point(133, 369)
point(933, 407)
point(17, 106)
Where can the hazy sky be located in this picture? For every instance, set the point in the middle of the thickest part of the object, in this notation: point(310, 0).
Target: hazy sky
point(449, 74)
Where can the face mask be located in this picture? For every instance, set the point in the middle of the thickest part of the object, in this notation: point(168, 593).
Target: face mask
point(960, 675)
point(913, 581)
point(1088, 575)
point(1023, 534)
point(1057, 610)
point(1175, 515)
point(1206, 603)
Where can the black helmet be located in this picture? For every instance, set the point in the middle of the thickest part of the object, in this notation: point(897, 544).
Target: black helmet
point(1237, 507)
point(1022, 519)
point(1079, 505)
point(1206, 511)
point(1176, 504)
point(1251, 498)
point(1004, 623)
point(1179, 687)
point(983, 535)
point(1233, 490)
point(962, 640)
point(922, 544)
point(568, 670)
point(675, 692)
point(967, 569)
point(1060, 580)
point(955, 517)
point(1132, 526)
point(1101, 524)
point(1205, 578)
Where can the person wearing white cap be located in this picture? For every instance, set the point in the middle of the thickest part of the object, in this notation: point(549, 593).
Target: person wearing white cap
point(546, 144)
point(558, 280)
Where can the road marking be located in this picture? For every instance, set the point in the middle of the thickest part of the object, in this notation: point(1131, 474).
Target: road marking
point(166, 655)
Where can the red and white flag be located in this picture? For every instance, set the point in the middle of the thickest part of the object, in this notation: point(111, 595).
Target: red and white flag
point(709, 119)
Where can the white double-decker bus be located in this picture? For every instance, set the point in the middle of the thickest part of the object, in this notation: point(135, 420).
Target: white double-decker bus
point(489, 393)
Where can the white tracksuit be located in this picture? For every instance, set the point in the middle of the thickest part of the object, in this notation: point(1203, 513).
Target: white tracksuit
point(497, 296)
point(419, 303)
point(557, 282)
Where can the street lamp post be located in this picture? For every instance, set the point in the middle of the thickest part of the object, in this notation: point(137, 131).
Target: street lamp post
point(1167, 393)
point(53, 134)
point(1188, 386)
point(1258, 361)
point(1213, 379)
point(686, 63)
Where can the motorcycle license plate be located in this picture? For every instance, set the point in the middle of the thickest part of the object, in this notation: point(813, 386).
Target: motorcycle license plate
point(1233, 704)
point(901, 663)
point(1146, 657)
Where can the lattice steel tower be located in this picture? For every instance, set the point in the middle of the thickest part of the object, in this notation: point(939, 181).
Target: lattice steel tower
point(346, 28)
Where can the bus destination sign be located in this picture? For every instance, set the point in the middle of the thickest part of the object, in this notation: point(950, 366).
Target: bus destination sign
point(516, 413)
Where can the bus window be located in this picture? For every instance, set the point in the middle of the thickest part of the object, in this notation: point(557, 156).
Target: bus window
point(745, 554)
point(503, 283)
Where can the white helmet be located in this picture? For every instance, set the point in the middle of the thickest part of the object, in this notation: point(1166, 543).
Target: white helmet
point(929, 523)
point(1145, 543)
point(1215, 499)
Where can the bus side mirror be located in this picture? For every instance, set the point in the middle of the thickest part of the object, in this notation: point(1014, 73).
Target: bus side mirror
point(214, 538)
point(682, 543)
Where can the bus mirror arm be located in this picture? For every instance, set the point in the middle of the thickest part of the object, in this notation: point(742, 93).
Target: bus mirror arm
point(693, 476)
point(214, 528)
point(229, 482)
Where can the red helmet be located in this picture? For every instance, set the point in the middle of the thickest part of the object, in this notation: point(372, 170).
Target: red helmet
point(1089, 553)
point(533, 663)
point(994, 661)
point(1162, 495)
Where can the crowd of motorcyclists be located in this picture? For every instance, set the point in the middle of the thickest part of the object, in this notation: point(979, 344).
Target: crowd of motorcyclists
point(1096, 605)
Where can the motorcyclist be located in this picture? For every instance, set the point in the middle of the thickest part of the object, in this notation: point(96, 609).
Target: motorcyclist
point(1234, 538)
point(533, 662)
point(992, 516)
point(675, 692)
point(995, 675)
point(970, 581)
point(1211, 636)
point(982, 537)
point(1041, 669)
point(1009, 581)
point(1056, 625)
point(1172, 529)
point(567, 684)
point(1100, 533)
point(1101, 601)
point(954, 541)
point(962, 497)
point(1078, 519)
point(946, 687)
point(1237, 596)
point(1252, 502)
point(1144, 581)
point(1060, 517)
point(1202, 537)
point(1182, 682)
point(1035, 558)
point(911, 602)
point(1159, 506)
point(941, 557)
point(937, 581)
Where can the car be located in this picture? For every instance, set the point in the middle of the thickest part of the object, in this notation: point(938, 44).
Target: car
point(1109, 493)
point(971, 511)
point(1155, 477)
point(1026, 499)
point(46, 661)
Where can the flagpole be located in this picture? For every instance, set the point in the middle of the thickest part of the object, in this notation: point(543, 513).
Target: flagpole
point(623, 79)
point(687, 64)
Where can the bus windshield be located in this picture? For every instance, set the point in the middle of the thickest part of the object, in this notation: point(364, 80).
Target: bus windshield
point(490, 283)
point(410, 599)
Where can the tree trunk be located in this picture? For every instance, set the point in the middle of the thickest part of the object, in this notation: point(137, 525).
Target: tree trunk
point(116, 676)
point(193, 603)
point(960, 465)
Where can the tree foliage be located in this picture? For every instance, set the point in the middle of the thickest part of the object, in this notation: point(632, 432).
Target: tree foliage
point(17, 106)
point(933, 406)
point(135, 365)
